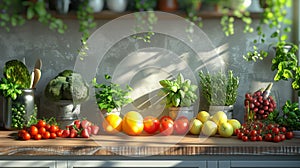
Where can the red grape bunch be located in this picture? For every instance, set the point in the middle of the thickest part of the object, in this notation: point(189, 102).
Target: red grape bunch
point(259, 104)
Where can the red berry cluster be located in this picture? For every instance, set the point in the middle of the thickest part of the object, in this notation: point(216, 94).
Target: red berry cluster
point(80, 129)
point(259, 106)
point(40, 130)
point(257, 131)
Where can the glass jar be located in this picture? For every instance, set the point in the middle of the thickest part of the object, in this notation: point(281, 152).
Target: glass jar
point(17, 113)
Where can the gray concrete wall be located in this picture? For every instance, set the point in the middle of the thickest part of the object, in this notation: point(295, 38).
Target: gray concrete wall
point(59, 52)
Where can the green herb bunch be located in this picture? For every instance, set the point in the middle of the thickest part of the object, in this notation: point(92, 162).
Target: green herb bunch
point(290, 117)
point(179, 92)
point(110, 95)
point(219, 89)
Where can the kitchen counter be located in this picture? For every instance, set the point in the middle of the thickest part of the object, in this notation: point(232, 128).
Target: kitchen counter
point(124, 145)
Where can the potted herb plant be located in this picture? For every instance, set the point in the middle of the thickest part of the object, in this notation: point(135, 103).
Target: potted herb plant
point(180, 95)
point(19, 106)
point(68, 90)
point(220, 91)
point(110, 96)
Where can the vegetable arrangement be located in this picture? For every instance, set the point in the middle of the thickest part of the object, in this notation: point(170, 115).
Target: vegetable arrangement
point(40, 129)
point(80, 129)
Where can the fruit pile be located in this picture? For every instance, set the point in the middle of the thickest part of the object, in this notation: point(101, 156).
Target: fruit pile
point(207, 125)
point(258, 131)
point(134, 124)
point(259, 104)
point(80, 129)
point(42, 129)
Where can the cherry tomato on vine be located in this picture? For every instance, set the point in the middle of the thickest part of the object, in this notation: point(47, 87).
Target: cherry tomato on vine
point(41, 123)
point(46, 135)
point(33, 130)
point(26, 136)
point(38, 137)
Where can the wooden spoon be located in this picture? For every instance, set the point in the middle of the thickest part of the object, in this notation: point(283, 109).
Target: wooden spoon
point(37, 76)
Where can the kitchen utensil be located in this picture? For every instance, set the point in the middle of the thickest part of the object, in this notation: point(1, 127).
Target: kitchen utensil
point(37, 72)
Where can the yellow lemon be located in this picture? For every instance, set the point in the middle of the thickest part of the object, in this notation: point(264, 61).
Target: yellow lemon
point(112, 124)
point(133, 123)
point(219, 117)
point(203, 116)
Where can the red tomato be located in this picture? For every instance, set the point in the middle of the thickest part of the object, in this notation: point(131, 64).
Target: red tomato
point(21, 132)
point(275, 130)
point(163, 117)
point(47, 126)
point(289, 135)
point(77, 123)
point(268, 137)
point(46, 135)
point(166, 126)
point(53, 129)
point(151, 124)
point(276, 138)
point(42, 130)
point(259, 138)
point(38, 137)
point(33, 130)
point(245, 138)
point(26, 136)
point(253, 133)
point(52, 135)
point(41, 123)
point(282, 137)
point(181, 125)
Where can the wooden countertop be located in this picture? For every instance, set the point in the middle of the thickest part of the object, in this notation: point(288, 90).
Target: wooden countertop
point(144, 146)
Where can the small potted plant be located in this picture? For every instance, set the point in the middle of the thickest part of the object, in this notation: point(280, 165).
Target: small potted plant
point(110, 96)
point(220, 91)
point(15, 87)
point(68, 90)
point(180, 95)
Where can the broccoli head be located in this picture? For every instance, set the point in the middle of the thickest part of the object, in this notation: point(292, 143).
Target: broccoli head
point(67, 85)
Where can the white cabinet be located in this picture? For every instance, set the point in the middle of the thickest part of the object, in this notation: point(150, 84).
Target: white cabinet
point(148, 163)
point(27, 164)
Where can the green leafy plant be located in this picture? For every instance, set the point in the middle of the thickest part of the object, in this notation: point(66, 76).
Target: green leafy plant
point(86, 19)
point(110, 95)
point(285, 63)
point(274, 17)
point(290, 117)
point(231, 11)
point(10, 14)
point(145, 18)
point(219, 89)
point(16, 77)
point(67, 85)
point(179, 92)
point(38, 9)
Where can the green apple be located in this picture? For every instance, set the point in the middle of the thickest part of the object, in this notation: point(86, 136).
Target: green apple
point(195, 126)
point(209, 128)
point(235, 124)
point(225, 129)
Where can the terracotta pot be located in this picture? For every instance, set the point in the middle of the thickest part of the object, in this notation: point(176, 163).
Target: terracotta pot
point(167, 5)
